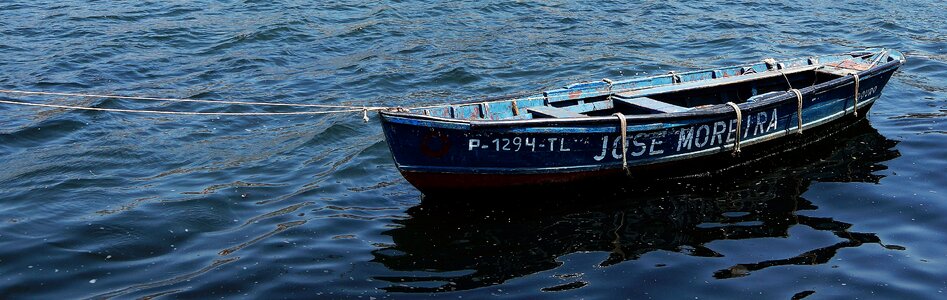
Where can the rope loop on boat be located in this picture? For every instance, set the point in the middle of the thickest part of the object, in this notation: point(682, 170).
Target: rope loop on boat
point(624, 142)
point(798, 109)
point(855, 105)
point(736, 144)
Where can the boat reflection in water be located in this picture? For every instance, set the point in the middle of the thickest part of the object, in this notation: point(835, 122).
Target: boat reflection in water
point(460, 245)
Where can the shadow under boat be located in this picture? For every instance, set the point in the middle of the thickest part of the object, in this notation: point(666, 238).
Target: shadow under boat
point(458, 245)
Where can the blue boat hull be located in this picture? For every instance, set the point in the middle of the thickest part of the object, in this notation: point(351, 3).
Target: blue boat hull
point(436, 183)
point(436, 154)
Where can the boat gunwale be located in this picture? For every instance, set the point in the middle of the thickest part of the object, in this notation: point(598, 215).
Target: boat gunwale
point(720, 109)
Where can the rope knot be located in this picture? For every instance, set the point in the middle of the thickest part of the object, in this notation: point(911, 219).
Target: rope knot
point(674, 77)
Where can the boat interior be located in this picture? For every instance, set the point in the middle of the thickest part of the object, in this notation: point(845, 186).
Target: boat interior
point(669, 93)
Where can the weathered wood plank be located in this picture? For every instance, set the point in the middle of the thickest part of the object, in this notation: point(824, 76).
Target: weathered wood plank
point(553, 112)
point(649, 104)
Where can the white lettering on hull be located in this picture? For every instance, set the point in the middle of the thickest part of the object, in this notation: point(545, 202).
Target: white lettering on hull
point(692, 138)
point(703, 136)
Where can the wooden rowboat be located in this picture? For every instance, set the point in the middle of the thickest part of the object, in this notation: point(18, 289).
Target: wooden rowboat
point(678, 124)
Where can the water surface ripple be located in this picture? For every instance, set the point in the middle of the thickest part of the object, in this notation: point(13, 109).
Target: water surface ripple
point(107, 205)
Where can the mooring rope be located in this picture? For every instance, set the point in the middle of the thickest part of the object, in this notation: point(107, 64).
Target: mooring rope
point(336, 108)
point(787, 78)
point(855, 105)
point(736, 144)
point(175, 99)
point(624, 142)
point(164, 112)
point(798, 110)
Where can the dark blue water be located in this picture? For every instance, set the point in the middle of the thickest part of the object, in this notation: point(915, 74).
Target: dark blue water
point(97, 204)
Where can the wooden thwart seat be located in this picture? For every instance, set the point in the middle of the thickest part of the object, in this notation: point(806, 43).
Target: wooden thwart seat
point(648, 104)
point(553, 112)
